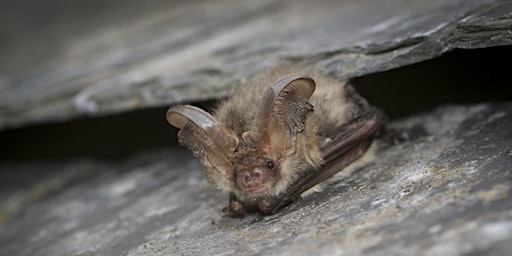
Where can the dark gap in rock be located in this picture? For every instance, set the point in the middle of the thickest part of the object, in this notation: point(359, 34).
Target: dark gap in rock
point(110, 137)
point(458, 77)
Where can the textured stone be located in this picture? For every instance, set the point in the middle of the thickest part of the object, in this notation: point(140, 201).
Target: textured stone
point(96, 58)
point(446, 191)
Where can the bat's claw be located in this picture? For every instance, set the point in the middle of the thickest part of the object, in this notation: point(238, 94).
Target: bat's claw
point(266, 206)
point(269, 206)
point(235, 209)
point(233, 213)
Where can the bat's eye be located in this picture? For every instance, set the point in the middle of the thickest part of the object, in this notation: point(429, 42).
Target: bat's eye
point(270, 165)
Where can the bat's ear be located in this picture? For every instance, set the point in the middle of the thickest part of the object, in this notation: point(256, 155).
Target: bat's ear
point(282, 114)
point(209, 140)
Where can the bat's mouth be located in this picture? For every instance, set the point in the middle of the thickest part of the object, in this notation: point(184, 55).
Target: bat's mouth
point(257, 191)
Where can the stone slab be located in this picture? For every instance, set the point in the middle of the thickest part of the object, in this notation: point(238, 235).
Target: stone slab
point(69, 59)
point(445, 191)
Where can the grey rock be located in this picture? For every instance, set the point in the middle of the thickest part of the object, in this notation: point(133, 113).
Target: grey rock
point(445, 191)
point(98, 58)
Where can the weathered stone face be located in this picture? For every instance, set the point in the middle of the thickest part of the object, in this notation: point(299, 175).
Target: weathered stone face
point(445, 191)
point(147, 55)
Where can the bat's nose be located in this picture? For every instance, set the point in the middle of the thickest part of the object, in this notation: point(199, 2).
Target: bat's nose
point(254, 181)
point(253, 178)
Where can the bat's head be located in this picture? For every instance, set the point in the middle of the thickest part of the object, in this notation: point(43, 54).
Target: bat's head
point(255, 171)
point(254, 164)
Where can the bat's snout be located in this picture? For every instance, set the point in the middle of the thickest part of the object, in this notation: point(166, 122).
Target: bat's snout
point(254, 181)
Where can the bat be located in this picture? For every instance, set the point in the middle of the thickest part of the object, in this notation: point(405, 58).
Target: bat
point(284, 134)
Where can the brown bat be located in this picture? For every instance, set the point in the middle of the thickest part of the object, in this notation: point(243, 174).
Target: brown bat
point(276, 138)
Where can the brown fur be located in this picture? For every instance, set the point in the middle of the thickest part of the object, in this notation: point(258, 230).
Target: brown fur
point(330, 110)
point(268, 162)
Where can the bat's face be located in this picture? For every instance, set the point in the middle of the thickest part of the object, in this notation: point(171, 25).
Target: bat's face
point(255, 171)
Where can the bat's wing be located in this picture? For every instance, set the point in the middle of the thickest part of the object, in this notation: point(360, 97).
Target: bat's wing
point(351, 142)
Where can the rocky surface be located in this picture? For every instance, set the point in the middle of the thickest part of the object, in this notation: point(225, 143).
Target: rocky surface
point(446, 191)
point(65, 59)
